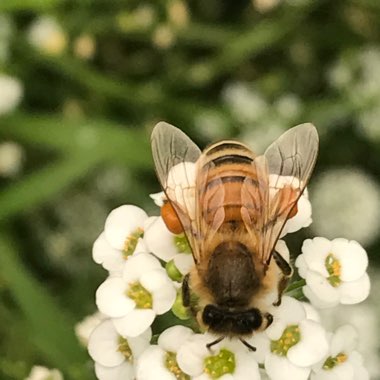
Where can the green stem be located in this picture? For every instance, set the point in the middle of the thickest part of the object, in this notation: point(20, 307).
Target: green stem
point(295, 286)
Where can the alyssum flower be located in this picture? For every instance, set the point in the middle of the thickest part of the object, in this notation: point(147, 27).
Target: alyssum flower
point(135, 298)
point(335, 271)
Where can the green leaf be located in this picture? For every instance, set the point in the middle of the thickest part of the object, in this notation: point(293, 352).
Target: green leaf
point(15, 5)
point(49, 328)
point(44, 184)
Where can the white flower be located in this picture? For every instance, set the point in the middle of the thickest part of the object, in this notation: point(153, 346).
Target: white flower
point(133, 300)
point(297, 343)
point(211, 125)
point(229, 359)
point(335, 271)
point(265, 5)
point(11, 158)
point(288, 106)
point(115, 355)
point(364, 317)
point(160, 361)
point(158, 198)
point(259, 137)
point(84, 328)
point(84, 46)
point(171, 248)
point(302, 218)
point(342, 361)
point(346, 203)
point(122, 236)
point(181, 186)
point(47, 35)
point(11, 91)
point(43, 373)
point(247, 105)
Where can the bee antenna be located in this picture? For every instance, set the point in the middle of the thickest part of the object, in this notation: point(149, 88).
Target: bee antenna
point(250, 347)
point(209, 345)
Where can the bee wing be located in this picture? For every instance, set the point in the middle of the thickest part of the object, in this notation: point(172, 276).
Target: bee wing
point(282, 175)
point(175, 156)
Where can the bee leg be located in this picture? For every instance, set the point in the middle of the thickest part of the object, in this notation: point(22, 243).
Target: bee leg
point(250, 347)
point(286, 270)
point(186, 295)
point(186, 291)
point(209, 345)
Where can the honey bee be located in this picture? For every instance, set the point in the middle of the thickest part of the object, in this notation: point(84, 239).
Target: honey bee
point(232, 206)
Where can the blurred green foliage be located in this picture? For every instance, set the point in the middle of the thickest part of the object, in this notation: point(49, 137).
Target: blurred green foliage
point(87, 111)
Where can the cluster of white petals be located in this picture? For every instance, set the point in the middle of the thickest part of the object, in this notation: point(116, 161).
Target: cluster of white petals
point(43, 373)
point(342, 362)
point(297, 341)
point(335, 272)
point(11, 90)
point(115, 355)
point(122, 236)
point(147, 263)
point(134, 299)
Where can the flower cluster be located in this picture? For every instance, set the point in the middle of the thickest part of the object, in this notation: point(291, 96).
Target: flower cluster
point(144, 332)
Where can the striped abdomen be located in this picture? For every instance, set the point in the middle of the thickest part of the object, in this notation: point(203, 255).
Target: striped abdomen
point(225, 167)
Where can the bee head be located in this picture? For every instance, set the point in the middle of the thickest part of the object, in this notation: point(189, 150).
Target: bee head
point(221, 320)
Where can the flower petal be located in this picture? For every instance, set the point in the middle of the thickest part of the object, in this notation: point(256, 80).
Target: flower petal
point(278, 366)
point(162, 289)
point(318, 302)
point(302, 219)
point(173, 338)
point(246, 368)
point(262, 344)
point(110, 258)
point(121, 222)
point(345, 339)
point(355, 291)
point(150, 365)
point(353, 258)
point(312, 347)
point(160, 241)
point(139, 343)
point(139, 264)
point(190, 356)
point(124, 371)
point(111, 299)
point(315, 252)
point(320, 286)
point(103, 345)
point(135, 322)
point(184, 262)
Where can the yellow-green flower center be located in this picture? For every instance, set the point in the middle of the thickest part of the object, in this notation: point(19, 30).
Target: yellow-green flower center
point(290, 337)
point(331, 362)
point(220, 364)
point(124, 348)
point(182, 244)
point(334, 270)
point(140, 295)
point(173, 271)
point(172, 365)
point(131, 242)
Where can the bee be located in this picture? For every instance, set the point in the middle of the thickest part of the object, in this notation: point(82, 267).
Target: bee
point(232, 206)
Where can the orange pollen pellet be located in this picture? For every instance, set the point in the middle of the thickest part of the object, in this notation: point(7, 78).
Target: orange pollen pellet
point(170, 219)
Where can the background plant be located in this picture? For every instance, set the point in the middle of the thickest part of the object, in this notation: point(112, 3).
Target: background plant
point(83, 82)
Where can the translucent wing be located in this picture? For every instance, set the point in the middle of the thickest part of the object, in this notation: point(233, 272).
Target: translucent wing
point(175, 156)
point(282, 175)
